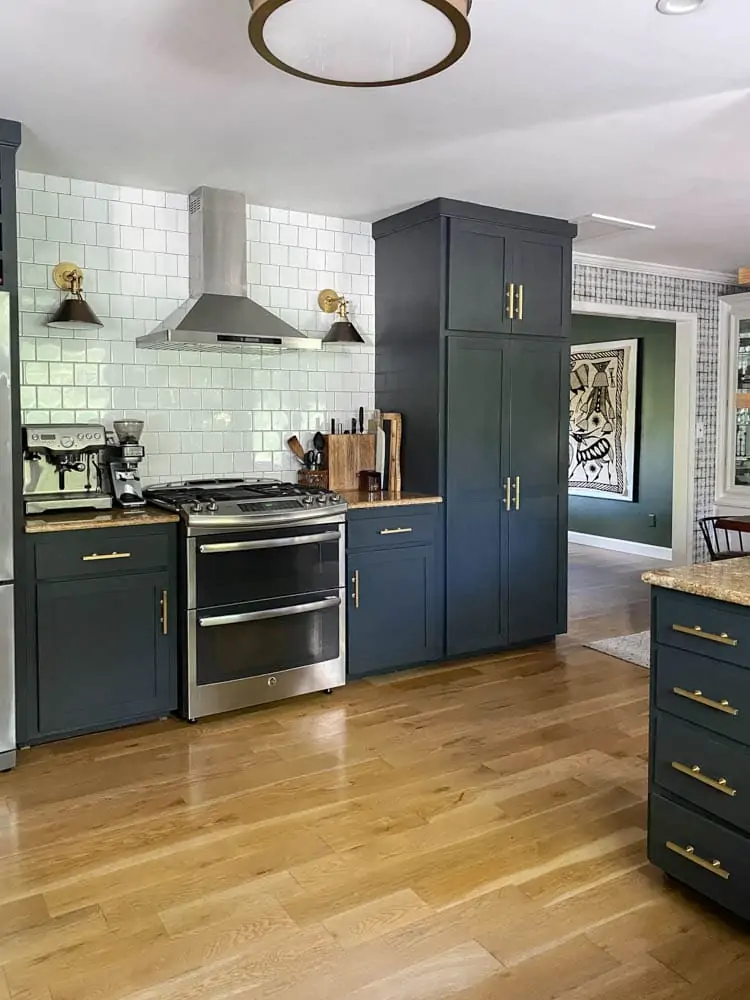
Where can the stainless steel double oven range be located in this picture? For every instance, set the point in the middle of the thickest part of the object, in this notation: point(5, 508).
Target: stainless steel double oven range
point(263, 603)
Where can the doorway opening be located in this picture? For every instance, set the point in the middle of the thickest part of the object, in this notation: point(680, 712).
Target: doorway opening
point(614, 540)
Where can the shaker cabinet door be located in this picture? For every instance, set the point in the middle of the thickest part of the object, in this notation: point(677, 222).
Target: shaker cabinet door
point(542, 276)
point(105, 654)
point(477, 494)
point(537, 526)
point(478, 261)
point(393, 613)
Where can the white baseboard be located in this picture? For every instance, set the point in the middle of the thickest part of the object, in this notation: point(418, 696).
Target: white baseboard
point(620, 545)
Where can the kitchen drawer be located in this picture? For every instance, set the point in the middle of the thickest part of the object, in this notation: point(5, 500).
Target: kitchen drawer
point(387, 529)
point(702, 626)
point(700, 852)
point(712, 694)
point(101, 552)
point(705, 769)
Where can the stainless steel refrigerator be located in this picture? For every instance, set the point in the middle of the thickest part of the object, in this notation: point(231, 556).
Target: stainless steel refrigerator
point(7, 663)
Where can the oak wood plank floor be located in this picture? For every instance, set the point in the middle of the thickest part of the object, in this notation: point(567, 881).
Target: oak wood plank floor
point(474, 831)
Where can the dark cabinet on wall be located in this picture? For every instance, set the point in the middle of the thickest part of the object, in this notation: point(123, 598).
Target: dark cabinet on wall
point(472, 313)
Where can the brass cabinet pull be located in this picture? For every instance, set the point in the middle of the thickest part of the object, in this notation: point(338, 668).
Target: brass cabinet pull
point(518, 492)
point(355, 581)
point(507, 493)
point(719, 706)
point(164, 612)
point(719, 785)
point(689, 854)
point(511, 300)
point(95, 557)
point(396, 531)
point(698, 632)
point(520, 301)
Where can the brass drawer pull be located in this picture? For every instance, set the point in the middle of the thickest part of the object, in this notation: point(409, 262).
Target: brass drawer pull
point(518, 493)
point(719, 785)
point(95, 557)
point(689, 854)
point(396, 531)
point(698, 632)
point(511, 300)
point(507, 493)
point(355, 582)
point(520, 302)
point(719, 706)
point(164, 613)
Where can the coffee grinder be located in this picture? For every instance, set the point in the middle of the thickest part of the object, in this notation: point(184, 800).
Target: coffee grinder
point(123, 461)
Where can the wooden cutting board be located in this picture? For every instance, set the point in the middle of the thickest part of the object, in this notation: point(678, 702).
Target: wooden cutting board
point(346, 456)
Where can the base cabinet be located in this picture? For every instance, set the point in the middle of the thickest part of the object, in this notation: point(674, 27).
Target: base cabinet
point(394, 605)
point(699, 761)
point(103, 650)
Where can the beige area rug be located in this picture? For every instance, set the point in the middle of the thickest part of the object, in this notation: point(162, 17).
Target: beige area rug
point(635, 648)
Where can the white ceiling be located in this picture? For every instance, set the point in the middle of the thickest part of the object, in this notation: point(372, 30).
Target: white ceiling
point(560, 107)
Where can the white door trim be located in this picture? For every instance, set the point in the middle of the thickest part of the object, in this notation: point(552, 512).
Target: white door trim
point(732, 309)
point(685, 373)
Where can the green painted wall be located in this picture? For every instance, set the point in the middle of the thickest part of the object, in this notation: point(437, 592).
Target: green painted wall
point(654, 441)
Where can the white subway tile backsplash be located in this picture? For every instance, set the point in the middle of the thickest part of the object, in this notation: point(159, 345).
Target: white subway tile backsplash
point(69, 206)
point(207, 413)
point(107, 235)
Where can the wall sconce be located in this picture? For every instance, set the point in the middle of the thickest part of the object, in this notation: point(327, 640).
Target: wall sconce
point(74, 309)
point(343, 330)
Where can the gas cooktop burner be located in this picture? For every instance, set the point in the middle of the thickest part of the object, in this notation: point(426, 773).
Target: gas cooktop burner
point(237, 502)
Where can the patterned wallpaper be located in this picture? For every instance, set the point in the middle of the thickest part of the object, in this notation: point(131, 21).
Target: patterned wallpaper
point(612, 286)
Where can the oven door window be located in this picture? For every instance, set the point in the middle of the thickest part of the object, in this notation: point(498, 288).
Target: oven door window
point(259, 566)
point(237, 642)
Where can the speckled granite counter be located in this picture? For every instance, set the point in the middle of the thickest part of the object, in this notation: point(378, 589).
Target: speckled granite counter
point(80, 520)
point(358, 500)
point(728, 580)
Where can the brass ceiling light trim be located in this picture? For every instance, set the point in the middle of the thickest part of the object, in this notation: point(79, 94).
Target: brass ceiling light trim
point(74, 310)
point(456, 11)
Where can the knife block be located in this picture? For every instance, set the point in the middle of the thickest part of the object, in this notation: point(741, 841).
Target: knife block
point(346, 456)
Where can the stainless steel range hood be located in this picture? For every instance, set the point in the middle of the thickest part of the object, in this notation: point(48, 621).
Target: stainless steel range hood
point(219, 316)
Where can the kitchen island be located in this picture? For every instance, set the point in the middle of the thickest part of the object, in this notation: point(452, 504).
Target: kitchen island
point(699, 768)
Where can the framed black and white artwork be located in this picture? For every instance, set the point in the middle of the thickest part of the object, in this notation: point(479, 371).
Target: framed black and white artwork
point(603, 390)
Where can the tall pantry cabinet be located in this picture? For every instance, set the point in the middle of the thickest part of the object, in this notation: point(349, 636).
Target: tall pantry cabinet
point(472, 316)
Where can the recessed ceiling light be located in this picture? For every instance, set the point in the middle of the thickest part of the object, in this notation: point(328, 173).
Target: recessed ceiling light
point(678, 6)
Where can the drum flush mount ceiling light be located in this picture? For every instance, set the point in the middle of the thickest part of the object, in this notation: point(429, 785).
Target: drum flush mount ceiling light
point(360, 43)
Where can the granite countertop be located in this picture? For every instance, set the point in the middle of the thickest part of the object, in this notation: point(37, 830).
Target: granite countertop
point(79, 520)
point(359, 500)
point(727, 580)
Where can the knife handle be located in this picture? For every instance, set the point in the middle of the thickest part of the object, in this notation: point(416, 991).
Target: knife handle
point(361, 420)
point(333, 427)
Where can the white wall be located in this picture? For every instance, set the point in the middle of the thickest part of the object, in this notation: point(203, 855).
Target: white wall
point(205, 413)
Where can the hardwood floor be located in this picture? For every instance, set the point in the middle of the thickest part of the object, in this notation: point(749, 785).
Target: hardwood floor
point(473, 832)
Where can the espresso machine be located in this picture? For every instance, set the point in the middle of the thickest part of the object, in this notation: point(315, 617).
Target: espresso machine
point(123, 459)
point(62, 467)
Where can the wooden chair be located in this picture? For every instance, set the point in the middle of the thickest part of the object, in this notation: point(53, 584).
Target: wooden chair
point(720, 542)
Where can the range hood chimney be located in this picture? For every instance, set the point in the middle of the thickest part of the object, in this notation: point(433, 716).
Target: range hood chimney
point(219, 316)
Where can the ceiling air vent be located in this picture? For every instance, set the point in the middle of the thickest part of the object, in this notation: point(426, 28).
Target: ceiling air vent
point(595, 226)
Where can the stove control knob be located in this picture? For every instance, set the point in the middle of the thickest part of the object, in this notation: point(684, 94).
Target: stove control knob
point(308, 499)
point(212, 506)
point(196, 507)
point(334, 498)
point(322, 498)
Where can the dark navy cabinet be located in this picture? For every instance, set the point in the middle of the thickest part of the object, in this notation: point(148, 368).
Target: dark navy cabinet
point(472, 311)
point(103, 650)
point(395, 607)
point(699, 762)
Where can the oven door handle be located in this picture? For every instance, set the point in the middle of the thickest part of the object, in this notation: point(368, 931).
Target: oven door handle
point(270, 543)
point(256, 616)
